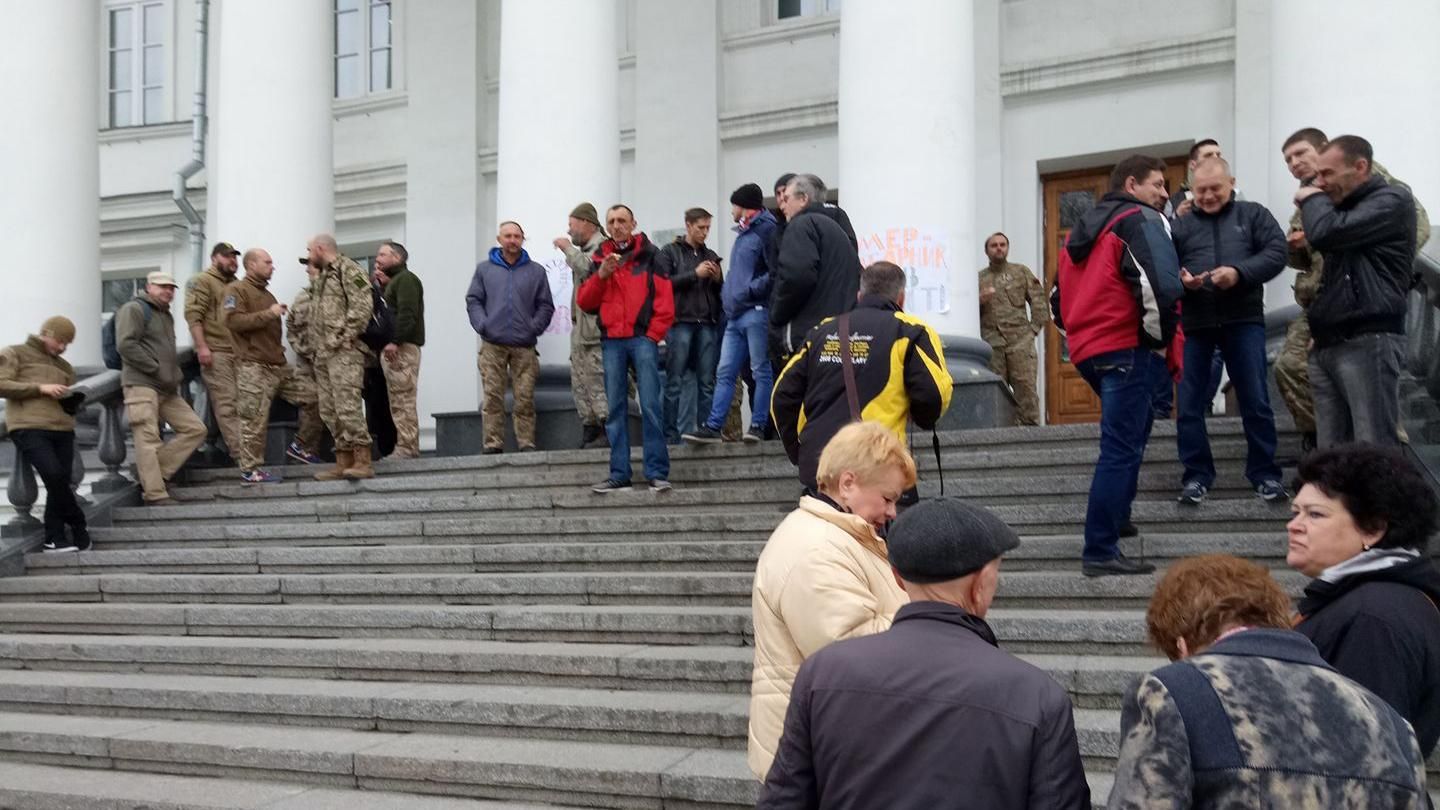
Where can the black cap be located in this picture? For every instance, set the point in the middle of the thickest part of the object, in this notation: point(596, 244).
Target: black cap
point(945, 538)
point(784, 179)
point(749, 197)
point(223, 249)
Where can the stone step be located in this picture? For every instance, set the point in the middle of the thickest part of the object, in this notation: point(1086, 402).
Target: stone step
point(605, 775)
point(687, 719)
point(50, 787)
point(608, 624)
point(1018, 589)
point(478, 514)
point(549, 664)
point(703, 552)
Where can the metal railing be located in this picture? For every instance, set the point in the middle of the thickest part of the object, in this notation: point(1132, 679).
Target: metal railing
point(1421, 391)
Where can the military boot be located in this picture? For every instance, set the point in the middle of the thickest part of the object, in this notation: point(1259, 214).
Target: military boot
point(362, 467)
point(344, 459)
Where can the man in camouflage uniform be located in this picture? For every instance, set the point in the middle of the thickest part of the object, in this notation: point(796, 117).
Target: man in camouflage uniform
point(213, 347)
point(1005, 289)
point(254, 319)
point(587, 371)
point(340, 309)
point(1292, 366)
point(310, 430)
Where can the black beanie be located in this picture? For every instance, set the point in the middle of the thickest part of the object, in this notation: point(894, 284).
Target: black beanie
point(749, 197)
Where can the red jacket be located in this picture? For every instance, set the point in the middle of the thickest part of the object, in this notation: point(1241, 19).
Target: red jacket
point(635, 300)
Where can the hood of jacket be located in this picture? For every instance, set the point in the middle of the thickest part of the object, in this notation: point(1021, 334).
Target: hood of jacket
point(1417, 572)
point(1085, 233)
point(497, 258)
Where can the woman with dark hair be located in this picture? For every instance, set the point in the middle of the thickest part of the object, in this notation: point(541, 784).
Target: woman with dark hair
point(1363, 518)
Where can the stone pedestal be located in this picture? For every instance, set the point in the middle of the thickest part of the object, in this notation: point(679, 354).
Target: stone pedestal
point(981, 398)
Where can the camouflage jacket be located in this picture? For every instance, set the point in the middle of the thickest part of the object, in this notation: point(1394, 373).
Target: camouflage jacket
point(1260, 720)
point(1004, 321)
point(340, 307)
point(297, 326)
point(587, 324)
point(1309, 264)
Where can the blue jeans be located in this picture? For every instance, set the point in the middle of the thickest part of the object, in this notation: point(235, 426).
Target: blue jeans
point(644, 356)
point(694, 348)
point(1164, 402)
point(1243, 347)
point(1125, 382)
point(746, 339)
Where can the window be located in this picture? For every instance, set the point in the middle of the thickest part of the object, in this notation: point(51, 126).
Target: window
point(114, 292)
point(806, 8)
point(363, 50)
point(136, 63)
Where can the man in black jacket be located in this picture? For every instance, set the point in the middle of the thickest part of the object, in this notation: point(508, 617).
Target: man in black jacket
point(692, 346)
point(930, 713)
point(1228, 249)
point(1364, 228)
point(818, 272)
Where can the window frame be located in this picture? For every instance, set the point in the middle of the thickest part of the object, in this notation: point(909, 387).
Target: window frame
point(367, 49)
point(817, 9)
point(137, 47)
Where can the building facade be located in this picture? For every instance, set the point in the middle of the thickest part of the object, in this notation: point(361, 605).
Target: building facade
point(936, 122)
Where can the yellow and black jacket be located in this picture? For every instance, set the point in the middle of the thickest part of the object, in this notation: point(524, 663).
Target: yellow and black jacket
point(900, 374)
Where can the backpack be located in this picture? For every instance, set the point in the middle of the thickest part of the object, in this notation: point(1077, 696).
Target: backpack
point(380, 331)
point(109, 346)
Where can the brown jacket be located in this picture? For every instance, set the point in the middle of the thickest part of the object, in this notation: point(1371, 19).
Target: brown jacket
point(204, 296)
point(254, 328)
point(23, 369)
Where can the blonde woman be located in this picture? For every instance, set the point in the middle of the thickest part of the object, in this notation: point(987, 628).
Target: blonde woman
point(825, 574)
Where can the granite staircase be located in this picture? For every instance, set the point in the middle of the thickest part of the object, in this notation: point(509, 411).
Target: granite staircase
point(485, 632)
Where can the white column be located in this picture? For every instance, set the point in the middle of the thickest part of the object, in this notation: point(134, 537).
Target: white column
point(50, 209)
point(559, 139)
point(1371, 74)
point(272, 172)
point(677, 115)
point(442, 180)
point(907, 148)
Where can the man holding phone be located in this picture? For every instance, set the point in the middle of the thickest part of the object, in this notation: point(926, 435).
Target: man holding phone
point(693, 344)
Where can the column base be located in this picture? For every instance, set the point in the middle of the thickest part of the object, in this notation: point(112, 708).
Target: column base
point(981, 399)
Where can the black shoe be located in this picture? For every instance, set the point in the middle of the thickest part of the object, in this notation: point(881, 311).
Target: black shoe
point(1129, 530)
point(81, 539)
point(610, 485)
point(660, 485)
point(1120, 566)
point(590, 433)
point(60, 546)
point(703, 435)
point(1272, 491)
point(492, 451)
point(529, 448)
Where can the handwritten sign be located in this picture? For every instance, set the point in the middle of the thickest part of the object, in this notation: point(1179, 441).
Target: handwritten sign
point(924, 253)
point(562, 284)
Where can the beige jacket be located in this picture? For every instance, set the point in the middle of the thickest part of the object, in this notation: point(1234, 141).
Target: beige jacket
point(823, 576)
point(23, 369)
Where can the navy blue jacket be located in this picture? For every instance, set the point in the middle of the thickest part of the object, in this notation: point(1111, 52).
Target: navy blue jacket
point(509, 305)
point(1243, 235)
point(747, 284)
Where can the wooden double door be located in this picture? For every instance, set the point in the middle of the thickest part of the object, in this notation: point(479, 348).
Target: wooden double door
point(1068, 196)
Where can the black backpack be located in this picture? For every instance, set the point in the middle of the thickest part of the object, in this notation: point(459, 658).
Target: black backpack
point(380, 331)
point(109, 346)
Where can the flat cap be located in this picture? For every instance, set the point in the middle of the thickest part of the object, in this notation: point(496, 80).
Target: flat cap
point(945, 538)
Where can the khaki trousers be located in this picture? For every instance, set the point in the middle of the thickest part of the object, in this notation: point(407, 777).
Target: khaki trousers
point(221, 384)
point(519, 366)
point(156, 460)
point(402, 378)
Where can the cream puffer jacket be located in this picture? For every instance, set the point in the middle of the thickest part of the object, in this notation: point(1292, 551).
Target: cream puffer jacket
point(824, 576)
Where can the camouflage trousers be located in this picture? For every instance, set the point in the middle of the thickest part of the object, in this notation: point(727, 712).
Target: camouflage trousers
point(587, 383)
point(1017, 366)
point(258, 385)
point(402, 377)
point(1292, 374)
point(220, 384)
point(338, 379)
point(310, 432)
point(519, 366)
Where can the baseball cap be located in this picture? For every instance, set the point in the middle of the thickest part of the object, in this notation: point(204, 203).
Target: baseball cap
point(224, 249)
point(161, 279)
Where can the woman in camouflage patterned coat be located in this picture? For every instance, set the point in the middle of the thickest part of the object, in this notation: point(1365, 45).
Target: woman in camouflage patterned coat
point(1252, 717)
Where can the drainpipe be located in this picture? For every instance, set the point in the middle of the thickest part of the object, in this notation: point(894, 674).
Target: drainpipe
point(197, 140)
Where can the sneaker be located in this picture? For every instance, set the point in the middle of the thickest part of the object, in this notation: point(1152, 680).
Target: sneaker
point(754, 436)
point(492, 451)
point(1129, 530)
point(610, 485)
point(300, 454)
point(1193, 493)
point(81, 539)
point(1271, 491)
point(703, 435)
point(660, 485)
point(58, 547)
point(1120, 566)
point(258, 476)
